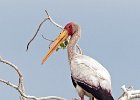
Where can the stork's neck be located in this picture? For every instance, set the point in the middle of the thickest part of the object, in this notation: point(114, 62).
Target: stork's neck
point(72, 44)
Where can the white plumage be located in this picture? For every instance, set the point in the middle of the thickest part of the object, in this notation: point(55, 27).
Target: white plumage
point(87, 70)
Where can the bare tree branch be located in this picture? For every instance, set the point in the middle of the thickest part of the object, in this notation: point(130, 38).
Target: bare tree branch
point(8, 83)
point(27, 96)
point(48, 18)
point(36, 33)
point(17, 88)
point(20, 86)
point(51, 20)
point(48, 40)
point(21, 80)
point(12, 65)
point(129, 93)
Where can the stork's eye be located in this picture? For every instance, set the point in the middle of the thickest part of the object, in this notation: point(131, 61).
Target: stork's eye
point(69, 27)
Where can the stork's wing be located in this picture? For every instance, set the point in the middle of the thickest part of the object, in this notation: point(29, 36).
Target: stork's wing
point(98, 92)
point(87, 72)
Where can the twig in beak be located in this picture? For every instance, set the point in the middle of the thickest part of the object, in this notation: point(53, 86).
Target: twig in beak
point(48, 40)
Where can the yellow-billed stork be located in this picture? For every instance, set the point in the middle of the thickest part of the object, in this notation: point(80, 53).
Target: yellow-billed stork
point(89, 77)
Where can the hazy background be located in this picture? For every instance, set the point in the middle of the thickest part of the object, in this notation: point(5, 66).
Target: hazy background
point(110, 34)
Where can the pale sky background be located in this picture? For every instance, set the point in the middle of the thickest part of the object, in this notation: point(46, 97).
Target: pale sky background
point(110, 34)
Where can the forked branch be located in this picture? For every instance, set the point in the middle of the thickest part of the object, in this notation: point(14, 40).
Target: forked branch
point(52, 21)
point(20, 86)
point(21, 80)
point(47, 18)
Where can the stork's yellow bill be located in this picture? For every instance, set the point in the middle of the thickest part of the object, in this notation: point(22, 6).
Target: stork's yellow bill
point(61, 38)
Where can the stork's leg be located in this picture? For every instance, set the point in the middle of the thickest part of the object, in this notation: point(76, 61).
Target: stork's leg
point(82, 98)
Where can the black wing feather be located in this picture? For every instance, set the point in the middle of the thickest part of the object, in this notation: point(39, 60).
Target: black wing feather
point(97, 92)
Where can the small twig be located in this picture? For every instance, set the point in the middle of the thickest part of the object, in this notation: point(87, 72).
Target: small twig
point(51, 20)
point(48, 40)
point(36, 33)
point(8, 83)
point(51, 44)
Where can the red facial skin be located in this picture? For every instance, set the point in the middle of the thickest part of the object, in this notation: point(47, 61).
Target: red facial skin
point(69, 28)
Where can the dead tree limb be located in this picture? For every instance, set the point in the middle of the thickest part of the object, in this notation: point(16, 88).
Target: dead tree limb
point(21, 79)
point(20, 86)
point(36, 33)
point(51, 20)
point(47, 18)
point(129, 93)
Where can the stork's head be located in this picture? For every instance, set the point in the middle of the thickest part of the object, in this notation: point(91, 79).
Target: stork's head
point(69, 30)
